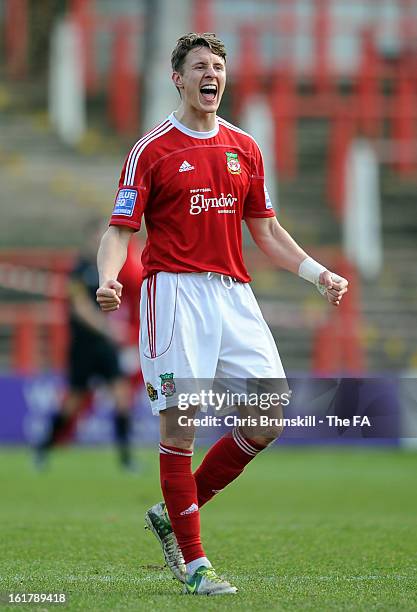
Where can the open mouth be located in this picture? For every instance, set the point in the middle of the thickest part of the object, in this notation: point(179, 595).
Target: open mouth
point(208, 92)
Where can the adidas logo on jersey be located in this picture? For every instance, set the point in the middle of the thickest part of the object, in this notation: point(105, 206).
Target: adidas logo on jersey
point(190, 510)
point(185, 167)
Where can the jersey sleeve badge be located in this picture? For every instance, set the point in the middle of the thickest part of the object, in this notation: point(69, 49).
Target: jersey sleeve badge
point(125, 202)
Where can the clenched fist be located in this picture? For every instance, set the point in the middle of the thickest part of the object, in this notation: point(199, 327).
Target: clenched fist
point(333, 286)
point(109, 295)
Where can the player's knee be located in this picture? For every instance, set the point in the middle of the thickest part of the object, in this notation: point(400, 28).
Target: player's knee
point(173, 433)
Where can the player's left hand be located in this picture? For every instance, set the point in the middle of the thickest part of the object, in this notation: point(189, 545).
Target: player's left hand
point(333, 286)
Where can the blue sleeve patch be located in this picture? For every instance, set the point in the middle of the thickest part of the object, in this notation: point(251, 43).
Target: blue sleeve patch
point(125, 202)
point(268, 203)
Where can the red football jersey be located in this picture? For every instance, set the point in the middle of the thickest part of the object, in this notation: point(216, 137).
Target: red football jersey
point(194, 189)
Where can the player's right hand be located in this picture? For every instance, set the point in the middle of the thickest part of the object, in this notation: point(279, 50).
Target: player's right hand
point(109, 295)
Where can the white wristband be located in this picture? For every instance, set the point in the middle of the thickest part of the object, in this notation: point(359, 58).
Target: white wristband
point(310, 270)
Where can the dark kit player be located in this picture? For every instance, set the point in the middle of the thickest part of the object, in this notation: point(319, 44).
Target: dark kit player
point(194, 178)
point(93, 357)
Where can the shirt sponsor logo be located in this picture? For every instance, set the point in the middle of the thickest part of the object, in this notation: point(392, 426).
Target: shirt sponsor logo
point(224, 204)
point(125, 202)
point(268, 203)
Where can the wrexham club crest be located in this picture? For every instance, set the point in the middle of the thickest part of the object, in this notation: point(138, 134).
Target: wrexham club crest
point(152, 392)
point(167, 384)
point(233, 164)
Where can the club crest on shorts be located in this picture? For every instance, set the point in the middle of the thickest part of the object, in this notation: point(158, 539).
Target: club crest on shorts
point(151, 391)
point(167, 384)
point(233, 164)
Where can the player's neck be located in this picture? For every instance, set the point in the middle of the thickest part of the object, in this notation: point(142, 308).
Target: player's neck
point(193, 120)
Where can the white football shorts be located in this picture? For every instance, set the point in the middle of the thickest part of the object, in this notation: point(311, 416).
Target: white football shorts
point(201, 327)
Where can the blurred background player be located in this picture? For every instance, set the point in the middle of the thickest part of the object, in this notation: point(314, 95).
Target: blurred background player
point(99, 352)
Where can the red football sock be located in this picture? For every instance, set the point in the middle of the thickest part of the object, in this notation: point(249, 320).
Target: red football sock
point(223, 463)
point(180, 494)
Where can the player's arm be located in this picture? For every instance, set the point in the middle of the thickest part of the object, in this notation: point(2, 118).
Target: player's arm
point(110, 259)
point(284, 252)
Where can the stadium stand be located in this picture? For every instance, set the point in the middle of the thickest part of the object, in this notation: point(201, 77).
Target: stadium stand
point(330, 74)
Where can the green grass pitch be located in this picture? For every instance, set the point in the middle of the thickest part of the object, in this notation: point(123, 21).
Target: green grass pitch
point(302, 529)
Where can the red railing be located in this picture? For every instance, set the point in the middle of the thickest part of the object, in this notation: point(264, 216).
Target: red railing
point(38, 329)
point(39, 335)
point(122, 79)
point(16, 37)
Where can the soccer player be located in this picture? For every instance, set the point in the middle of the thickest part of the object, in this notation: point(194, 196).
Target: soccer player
point(94, 354)
point(194, 178)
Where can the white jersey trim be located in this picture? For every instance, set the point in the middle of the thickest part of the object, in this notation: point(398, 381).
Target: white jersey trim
point(139, 147)
point(193, 133)
point(230, 126)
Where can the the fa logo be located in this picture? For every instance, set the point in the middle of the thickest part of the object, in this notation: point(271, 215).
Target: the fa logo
point(361, 421)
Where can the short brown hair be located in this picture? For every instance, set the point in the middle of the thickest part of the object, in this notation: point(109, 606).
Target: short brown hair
point(192, 40)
